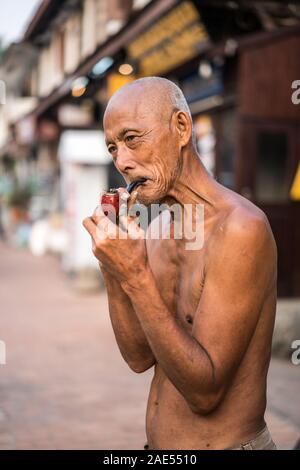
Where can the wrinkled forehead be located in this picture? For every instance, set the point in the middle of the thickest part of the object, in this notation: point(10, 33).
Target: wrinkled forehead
point(119, 111)
point(134, 107)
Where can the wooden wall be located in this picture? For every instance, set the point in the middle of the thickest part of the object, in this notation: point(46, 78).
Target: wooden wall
point(266, 73)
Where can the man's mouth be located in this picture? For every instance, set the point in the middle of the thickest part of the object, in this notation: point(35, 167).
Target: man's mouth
point(134, 184)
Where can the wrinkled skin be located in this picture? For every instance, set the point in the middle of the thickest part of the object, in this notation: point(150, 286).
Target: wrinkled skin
point(147, 150)
point(204, 319)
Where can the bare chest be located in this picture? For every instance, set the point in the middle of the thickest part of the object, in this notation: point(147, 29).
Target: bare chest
point(180, 278)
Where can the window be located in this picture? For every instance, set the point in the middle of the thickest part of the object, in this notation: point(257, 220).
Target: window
point(227, 148)
point(271, 172)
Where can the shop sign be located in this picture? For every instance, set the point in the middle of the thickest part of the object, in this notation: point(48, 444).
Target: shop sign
point(177, 37)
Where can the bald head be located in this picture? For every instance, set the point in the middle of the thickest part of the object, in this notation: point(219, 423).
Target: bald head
point(158, 94)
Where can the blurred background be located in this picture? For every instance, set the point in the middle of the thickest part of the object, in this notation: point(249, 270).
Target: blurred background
point(62, 381)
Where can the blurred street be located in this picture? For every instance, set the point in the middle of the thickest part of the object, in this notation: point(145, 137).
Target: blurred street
point(65, 385)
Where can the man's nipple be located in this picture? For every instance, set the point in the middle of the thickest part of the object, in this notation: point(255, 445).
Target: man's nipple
point(189, 319)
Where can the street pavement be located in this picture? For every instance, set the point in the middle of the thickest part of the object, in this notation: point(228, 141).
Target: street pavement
point(65, 385)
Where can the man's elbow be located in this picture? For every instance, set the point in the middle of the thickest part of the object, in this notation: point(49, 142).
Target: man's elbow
point(206, 404)
point(140, 366)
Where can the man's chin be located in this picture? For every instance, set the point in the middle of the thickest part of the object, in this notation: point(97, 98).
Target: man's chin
point(147, 201)
point(150, 195)
point(147, 197)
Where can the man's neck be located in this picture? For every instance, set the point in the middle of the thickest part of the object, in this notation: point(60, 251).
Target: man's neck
point(194, 185)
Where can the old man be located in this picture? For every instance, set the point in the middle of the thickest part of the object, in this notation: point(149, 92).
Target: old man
point(202, 318)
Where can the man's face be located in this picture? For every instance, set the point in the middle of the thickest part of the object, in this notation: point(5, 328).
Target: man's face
point(143, 144)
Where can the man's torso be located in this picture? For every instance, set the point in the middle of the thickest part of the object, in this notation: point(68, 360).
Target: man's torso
point(180, 276)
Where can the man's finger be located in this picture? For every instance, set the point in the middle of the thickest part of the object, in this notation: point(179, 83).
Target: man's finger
point(126, 198)
point(124, 194)
point(133, 197)
point(131, 227)
point(90, 226)
point(98, 214)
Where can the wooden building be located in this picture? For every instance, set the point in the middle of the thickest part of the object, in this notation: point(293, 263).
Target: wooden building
point(237, 63)
point(269, 141)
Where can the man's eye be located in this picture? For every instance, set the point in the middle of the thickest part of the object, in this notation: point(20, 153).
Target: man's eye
point(130, 138)
point(111, 149)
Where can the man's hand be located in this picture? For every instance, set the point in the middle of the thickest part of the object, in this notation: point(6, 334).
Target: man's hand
point(121, 250)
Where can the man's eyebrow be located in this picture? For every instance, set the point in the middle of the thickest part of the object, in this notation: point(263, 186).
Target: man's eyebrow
point(124, 131)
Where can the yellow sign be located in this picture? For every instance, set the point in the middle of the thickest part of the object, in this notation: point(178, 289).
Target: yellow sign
point(176, 38)
point(116, 81)
point(295, 191)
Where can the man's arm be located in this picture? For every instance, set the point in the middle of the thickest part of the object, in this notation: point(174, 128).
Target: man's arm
point(239, 275)
point(129, 335)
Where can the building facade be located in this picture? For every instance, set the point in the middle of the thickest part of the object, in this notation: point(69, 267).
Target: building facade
point(236, 62)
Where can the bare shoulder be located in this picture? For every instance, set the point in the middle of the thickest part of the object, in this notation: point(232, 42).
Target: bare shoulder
point(247, 220)
point(245, 230)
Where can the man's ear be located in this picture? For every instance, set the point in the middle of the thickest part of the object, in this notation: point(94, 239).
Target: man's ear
point(183, 126)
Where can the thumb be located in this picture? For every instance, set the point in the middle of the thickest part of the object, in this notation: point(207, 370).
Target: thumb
point(133, 198)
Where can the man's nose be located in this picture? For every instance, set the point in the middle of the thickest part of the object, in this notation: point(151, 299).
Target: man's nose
point(124, 162)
